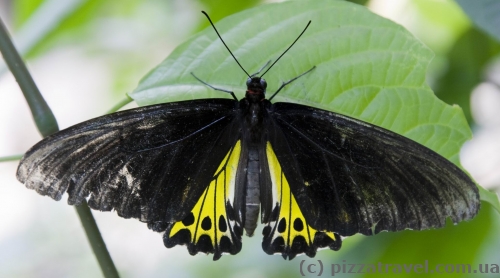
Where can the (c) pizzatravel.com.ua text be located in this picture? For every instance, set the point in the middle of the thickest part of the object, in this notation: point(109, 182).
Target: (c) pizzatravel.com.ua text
point(318, 268)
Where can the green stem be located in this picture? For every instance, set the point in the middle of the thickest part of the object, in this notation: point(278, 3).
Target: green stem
point(47, 125)
point(96, 241)
point(120, 104)
point(44, 119)
point(11, 158)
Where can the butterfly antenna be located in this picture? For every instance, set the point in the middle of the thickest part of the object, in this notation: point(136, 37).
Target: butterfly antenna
point(286, 49)
point(225, 43)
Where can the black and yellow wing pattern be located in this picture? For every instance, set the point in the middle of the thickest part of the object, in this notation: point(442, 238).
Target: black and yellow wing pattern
point(353, 177)
point(289, 232)
point(212, 226)
point(335, 176)
point(182, 168)
point(169, 165)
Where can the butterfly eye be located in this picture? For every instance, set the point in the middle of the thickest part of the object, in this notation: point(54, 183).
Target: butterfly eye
point(263, 83)
point(249, 81)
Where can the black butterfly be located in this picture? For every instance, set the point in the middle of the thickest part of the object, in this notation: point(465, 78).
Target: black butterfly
point(199, 171)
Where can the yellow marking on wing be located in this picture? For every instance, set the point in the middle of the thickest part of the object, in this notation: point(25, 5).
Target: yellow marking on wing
point(212, 203)
point(289, 208)
point(331, 235)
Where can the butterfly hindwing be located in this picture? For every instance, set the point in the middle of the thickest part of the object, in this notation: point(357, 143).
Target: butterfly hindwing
point(212, 226)
point(349, 176)
point(288, 232)
point(152, 163)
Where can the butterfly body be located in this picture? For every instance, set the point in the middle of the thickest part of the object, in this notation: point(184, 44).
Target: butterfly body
point(253, 108)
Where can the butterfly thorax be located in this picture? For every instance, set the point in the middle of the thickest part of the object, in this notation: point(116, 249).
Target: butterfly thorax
point(252, 108)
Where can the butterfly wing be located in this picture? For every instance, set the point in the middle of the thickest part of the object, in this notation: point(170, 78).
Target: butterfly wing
point(156, 163)
point(346, 176)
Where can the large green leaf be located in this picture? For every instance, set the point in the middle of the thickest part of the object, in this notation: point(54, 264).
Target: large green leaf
point(41, 22)
point(219, 9)
point(367, 67)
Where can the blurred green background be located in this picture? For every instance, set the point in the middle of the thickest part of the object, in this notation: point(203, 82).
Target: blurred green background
point(86, 54)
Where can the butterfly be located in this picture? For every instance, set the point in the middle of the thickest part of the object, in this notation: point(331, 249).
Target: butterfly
point(203, 171)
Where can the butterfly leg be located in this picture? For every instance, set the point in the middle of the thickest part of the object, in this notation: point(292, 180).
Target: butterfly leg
point(290, 81)
point(215, 88)
point(261, 69)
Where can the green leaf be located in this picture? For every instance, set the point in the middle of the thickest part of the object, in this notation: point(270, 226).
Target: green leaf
point(359, 2)
point(43, 22)
point(485, 14)
point(23, 9)
point(218, 9)
point(367, 67)
point(37, 20)
point(490, 197)
point(63, 17)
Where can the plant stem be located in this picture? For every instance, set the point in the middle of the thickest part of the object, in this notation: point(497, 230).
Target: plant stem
point(44, 119)
point(11, 158)
point(47, 125)
point(96, 241)
point(120, 104)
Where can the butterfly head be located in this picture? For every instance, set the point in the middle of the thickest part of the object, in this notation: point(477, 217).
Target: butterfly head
point(256, 88)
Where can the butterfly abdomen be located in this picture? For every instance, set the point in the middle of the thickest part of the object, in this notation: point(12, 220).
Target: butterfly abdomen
point(252, 191)
point(252, 119)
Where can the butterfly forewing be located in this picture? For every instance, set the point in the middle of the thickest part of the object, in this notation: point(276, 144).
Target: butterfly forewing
point(349, 177)
point(152, 163)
